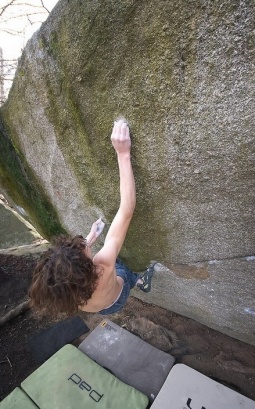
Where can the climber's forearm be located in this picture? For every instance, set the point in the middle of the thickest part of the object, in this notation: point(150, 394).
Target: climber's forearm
point(127, 185)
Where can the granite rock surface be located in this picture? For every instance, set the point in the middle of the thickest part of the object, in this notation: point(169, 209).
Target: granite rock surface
point(182, 73)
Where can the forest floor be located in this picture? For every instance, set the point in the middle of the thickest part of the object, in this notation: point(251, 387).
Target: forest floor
point(218, 356)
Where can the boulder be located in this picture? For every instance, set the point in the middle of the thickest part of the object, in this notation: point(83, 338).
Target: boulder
point(14, 229)
point(182, 74)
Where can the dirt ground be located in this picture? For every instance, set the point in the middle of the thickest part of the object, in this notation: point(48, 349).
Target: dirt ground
point(216, 355)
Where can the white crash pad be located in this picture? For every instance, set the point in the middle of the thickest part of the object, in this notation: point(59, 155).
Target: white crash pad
point(186, 388)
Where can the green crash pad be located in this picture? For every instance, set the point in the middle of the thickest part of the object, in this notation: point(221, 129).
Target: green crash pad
point(17, 399)
point(71, 380)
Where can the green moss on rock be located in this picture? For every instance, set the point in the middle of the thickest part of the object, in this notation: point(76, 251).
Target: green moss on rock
point(18, 180)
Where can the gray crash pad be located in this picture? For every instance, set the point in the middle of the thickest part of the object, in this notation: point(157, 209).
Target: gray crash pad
point(186, 388)
point(71, 380)
point(17, 399)
point(128, 357)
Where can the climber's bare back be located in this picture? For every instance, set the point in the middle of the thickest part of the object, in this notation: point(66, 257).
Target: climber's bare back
point(107, 291)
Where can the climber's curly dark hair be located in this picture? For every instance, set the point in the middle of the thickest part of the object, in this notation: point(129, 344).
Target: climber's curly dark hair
point(64, 278)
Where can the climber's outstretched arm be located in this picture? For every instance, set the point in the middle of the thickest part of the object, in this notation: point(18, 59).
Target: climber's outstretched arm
point(117, 232)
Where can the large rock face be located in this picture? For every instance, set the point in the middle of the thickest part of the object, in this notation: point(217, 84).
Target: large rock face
point(183, 74)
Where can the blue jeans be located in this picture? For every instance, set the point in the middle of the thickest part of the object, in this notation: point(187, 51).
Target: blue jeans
point(130, 280)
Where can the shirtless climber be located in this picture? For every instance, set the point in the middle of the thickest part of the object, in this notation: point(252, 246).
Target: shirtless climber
point(68, 277)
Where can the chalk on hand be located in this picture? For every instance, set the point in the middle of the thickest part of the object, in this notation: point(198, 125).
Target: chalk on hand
point(100, 227)
point(121, 118)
